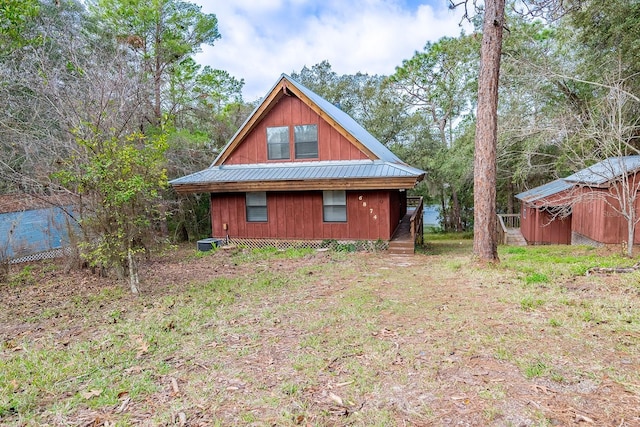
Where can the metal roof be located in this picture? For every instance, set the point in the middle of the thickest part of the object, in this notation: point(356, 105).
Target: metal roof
point(348, 123)
point(381, 165)
point(300, 171)
point(546, 190)
point(597, 174)
point(606, 170)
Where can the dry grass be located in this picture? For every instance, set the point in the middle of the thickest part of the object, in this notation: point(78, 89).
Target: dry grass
point(323, 338)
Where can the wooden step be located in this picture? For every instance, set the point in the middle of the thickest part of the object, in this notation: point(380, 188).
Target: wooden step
point(401, 242)
point(401, 251)
point(515, 238)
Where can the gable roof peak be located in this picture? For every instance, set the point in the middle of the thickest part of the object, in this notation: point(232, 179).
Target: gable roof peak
point(344, 123)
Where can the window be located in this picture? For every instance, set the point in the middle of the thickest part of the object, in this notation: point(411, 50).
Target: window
point(306, 141)
point(334, 206)
point(257, 207)
point(278, 143)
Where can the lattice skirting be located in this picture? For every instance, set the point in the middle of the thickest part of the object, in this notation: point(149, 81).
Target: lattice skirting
point(339, 245)
point(54, 253)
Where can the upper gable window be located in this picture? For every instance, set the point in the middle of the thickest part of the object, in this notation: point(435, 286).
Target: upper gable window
point(278, 143)
point(306, 141)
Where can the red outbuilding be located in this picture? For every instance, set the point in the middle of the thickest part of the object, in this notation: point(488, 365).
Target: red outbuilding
point(604, 192)
point(543, 214)
point(586, 207)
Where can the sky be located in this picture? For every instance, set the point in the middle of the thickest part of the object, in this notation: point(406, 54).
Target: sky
point(261, 39)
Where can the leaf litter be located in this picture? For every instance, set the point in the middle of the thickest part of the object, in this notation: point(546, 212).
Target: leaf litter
point(423, 344)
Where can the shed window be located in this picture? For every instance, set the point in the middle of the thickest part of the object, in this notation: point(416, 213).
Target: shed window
point(257, 207)
point(278, 143)
point(334, 206)
point(306, 141)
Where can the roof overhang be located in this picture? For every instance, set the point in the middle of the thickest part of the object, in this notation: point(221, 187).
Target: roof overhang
point(549, 194)
point(301, 176)
point(300, 185)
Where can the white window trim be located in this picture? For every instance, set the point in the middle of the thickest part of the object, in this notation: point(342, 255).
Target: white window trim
point(328, 201)
point(254, 201)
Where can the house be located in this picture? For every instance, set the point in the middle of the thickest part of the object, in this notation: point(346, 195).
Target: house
point(300, 169)
point(589, 200)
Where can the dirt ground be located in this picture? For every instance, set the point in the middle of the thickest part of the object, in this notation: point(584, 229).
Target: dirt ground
point(446, 345)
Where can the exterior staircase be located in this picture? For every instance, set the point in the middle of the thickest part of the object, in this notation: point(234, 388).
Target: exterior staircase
point(402, 242)
point(514, 237)
point(508, 229)
point(409, 231)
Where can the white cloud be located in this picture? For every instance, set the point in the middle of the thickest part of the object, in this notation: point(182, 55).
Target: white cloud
point(263, 39)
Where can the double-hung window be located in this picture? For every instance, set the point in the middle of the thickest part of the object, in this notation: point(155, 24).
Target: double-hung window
point(306, 141)
point(334, 206)
point(256, 206)
point(278, 143)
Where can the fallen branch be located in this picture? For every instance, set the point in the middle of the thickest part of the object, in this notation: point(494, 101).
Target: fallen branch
point(610, 270)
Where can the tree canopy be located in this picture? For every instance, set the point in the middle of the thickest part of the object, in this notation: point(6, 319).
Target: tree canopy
point(82, 81)
point(104, 102)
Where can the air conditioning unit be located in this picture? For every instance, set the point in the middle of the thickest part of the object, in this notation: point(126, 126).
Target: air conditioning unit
point(205, 245)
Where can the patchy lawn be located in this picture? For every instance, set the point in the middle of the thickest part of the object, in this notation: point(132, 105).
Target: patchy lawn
point(311, 338)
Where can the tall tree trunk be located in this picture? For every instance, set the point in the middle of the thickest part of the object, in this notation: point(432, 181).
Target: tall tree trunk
point(485, 244)
point(456, 214)
point(157, 75)
point(630, 238)
point(133, 272)
point(632, 220)
point(510, 197)
point(445, 216)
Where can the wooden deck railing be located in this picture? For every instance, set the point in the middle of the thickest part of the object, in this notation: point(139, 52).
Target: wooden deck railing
point(417, 226)
point(504, 222)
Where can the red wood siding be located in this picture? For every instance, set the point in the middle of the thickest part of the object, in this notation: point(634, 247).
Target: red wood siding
point(597, 220)
point(540, 228)
point(371, 215)
point(290, 111)
point(527, 222)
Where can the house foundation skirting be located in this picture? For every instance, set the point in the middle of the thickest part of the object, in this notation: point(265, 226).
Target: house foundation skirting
point(344, 245)
point(580, 239)
point(51, 254)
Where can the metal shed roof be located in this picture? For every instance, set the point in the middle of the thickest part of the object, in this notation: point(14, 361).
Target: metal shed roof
point(543, 191)
point(300, 171)
point(606, 170)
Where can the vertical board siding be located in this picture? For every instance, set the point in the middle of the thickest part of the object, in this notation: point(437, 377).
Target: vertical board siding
point(551, 230)
point(539, 227)
point(290, 111)
point(593, 217)
point(527, 223)
point(615, 226)
point(298, 215)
